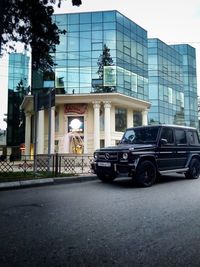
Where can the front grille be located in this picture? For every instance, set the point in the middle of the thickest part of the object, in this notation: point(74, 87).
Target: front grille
point(108, 156)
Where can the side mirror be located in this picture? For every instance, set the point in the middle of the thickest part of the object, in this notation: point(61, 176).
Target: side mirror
point(163, 141)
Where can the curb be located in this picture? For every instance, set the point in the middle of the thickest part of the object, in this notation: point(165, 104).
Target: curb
point(47, 181)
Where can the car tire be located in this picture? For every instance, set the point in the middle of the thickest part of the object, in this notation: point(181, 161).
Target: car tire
point(145, 174)
point(106, 178)
point(194, 169)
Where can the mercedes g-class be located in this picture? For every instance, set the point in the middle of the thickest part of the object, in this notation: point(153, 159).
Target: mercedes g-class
point(147, 152)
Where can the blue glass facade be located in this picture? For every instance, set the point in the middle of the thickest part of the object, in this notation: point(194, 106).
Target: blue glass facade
point(18, 71)
point(189, 83)
point(79, 51)
point(172, 83)
point(18, 82)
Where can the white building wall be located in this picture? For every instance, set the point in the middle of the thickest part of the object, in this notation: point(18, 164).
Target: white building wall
point(115, 100)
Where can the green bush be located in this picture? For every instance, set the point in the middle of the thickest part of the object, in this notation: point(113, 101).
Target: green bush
point(20, 176)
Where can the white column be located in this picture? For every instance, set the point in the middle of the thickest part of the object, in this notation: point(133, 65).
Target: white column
point(129, 118)
point(40, 134)
point(96, 106)
point(27, 133)
point(107, 126)
point(144, 117)
point(52, 130)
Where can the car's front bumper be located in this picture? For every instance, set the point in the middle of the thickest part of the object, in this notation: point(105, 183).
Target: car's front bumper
point(109, 167)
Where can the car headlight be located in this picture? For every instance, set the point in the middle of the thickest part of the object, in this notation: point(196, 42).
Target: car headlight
point(125, 156)
point(95, 155)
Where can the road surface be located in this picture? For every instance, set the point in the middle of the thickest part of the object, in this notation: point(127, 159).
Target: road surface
point(97, 224)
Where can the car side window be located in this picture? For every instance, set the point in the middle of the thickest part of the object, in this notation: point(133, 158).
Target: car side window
point(193, 138)
point(180, 137)
point(167, 133)
point(196, 137)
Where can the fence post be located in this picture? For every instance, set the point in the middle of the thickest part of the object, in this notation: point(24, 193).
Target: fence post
point(56, 165)
point(82, 164)
point(35, 165)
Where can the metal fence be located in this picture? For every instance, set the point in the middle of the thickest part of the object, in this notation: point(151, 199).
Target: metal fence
point(56, 164)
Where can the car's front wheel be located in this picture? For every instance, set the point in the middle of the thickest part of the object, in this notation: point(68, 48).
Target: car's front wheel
point(194, 169)
point(145, 174)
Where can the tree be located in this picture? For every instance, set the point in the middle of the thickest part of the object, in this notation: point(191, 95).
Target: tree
point(30, 22)
point(105, 59)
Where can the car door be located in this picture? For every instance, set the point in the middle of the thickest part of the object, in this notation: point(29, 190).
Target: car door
point(167, 150)
point(181, 148)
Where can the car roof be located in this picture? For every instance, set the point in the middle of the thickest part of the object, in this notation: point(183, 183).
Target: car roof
point(165, 125)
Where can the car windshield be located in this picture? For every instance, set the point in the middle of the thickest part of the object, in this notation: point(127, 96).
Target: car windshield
point(143, 135)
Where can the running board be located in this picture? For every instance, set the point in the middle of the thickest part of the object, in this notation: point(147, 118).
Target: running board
point(174, 170)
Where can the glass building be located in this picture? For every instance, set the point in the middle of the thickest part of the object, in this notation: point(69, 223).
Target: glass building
point(101, 83)
point(101, 52)
point(172, 83)
point(189, 75)
point(106, 74)
point(18, 73)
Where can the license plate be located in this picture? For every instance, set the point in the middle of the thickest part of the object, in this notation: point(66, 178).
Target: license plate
point(104, 164)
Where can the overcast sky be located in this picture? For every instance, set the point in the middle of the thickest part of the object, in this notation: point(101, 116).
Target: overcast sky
point(172, 21)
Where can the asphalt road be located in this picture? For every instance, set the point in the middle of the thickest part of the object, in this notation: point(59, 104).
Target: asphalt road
point(97, 224)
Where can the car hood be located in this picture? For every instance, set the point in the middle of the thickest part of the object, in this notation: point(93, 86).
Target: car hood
point(125, 147)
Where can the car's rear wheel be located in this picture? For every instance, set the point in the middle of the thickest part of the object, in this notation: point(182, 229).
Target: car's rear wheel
point(106, 177)
point(194, 169)
point(145, 174)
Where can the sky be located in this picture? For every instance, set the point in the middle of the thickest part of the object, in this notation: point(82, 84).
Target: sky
point(172, 21)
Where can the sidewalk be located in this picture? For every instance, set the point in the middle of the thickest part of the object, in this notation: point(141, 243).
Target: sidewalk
point(47, 181)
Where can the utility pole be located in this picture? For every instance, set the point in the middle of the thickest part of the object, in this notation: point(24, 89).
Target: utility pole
point(51, 97)
point(49, 132)
point(35, 129)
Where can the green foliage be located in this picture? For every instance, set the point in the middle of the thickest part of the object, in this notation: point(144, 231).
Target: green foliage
point(28, 175)
point(30, 22)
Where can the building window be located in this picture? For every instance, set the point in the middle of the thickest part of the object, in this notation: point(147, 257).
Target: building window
point(101, 119)
point(56, 120)
point(137, 119)
point(134, 82)
point(120, 119)
point(140, 57)
point(97, 46)
point(165, 70)
point(102, 143)
point(127, 50)
point(182, 99)
point(170, 95)
point(127, 85)
point(56, 146)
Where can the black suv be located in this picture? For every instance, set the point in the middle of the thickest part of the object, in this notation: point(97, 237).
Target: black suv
point(145, 153)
